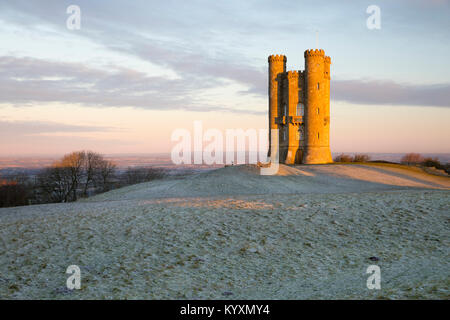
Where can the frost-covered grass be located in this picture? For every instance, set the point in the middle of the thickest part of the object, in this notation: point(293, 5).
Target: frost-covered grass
point(266, 246)
point(312, 179)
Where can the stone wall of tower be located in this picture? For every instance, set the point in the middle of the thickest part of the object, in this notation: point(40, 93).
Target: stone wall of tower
point(327, 63)
point(317, 108)
point(283, 112)
point(289, 123)
point(292, 144)
point(302, 100)
point(277, 66)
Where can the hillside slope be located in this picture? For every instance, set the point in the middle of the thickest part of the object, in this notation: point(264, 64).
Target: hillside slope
point(238, 180)
point(307, 233)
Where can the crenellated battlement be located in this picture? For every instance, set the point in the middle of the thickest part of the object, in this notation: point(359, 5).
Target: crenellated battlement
point(292, 74)
point(314, 53)
point(277, 57)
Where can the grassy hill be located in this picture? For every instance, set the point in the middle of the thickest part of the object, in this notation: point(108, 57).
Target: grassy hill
point(230, 233)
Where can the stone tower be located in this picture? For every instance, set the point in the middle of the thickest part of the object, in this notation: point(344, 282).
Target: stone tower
point(277, 66)
point(299, 106)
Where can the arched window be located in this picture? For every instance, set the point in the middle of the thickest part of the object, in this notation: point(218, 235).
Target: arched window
point(318, 85)
point(300, 109)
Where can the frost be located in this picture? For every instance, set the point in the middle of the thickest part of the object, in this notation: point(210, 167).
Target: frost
point(130, 245)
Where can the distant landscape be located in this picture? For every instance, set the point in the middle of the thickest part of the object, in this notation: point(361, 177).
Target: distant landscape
point(163, 160)
point(83, 174)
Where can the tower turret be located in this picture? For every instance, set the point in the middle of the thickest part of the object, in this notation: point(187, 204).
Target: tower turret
point(317, 107)
point(327, 61)
point(277, 66)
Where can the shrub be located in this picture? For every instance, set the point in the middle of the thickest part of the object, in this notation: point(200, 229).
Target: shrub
point(446, 168)
point(141, 174)
point(343, 158)
point(361, 158)
point(430, 162)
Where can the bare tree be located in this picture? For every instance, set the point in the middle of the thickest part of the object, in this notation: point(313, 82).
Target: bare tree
point(55, 184)
point(76, 173)
point(105, 174)
point(411, 159)
point(92, 164)
point(73, 162)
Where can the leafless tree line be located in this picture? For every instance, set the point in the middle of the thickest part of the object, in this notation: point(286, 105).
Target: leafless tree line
point(414, 159)
point(410, 159)
point(77, 174)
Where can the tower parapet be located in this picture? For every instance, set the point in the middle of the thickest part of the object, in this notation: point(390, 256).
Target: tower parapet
point(277, 57)
point(292, 74)
point(314, 52)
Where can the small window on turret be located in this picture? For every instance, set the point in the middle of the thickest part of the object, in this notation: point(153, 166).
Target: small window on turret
point(300, 110)
point(318, 135)
point(318, 85)
point(318, 110)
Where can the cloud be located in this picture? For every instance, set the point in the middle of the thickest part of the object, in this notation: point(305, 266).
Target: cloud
point(385, 92)
point(28, 80)
point(25, 80)
point(182, 38)
point(26, 128)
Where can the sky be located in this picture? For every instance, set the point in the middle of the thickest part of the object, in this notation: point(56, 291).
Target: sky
point(137, 70)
